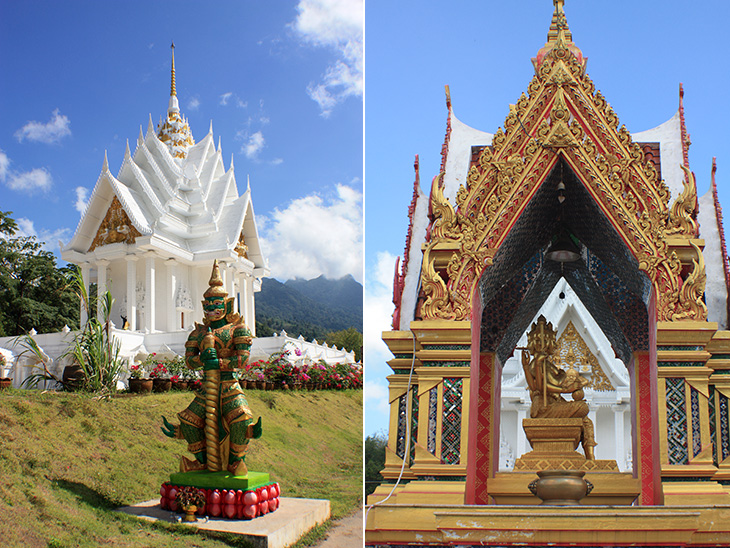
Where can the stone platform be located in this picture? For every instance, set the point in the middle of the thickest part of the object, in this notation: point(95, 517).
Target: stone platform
point(276, 530)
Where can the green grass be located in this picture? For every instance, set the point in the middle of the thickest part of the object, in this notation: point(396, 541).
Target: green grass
point(67, 460)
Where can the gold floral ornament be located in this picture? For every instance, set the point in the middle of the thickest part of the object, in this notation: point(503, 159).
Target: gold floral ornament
point(115, 228)
point(241, 247)
point(691, 296)
point(572, 351)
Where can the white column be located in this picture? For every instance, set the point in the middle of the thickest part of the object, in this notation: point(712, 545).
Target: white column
point(243, 288)
point(252, 310)
point(100, 287)
point(521, 438)
point(171, 289)
point(618, 420)
point(132, 291)
point(239, 290)
point(149, 316)
point(85, 271)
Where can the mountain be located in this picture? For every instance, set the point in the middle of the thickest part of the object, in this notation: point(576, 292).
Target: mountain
point(311, 308)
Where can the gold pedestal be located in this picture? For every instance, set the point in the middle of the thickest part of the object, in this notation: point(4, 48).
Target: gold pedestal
point(554, 443)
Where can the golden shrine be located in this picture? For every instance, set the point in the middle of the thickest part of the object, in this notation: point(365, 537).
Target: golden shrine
point(562, 192)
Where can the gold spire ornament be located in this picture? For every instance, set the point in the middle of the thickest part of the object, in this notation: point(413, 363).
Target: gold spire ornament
point(175, 130)
point(173, 92)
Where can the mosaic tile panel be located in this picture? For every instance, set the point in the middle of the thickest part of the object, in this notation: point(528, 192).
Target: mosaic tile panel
point(446, 364)
point(696, 433)
point(451, 427)
point(414, 421)
point(713, 429)
point(433, 396)
point(724, 426)
point(676, 421)
point(400, 446)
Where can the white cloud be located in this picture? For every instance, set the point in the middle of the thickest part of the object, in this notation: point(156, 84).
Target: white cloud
point(377, 318)
point(277, 161)
point(225, 98)
point(82, 199)
point(194, 103)
point(4, 165)
point(50, 238)
point(253, 145)
point(336, 24)
point(52, 132)
point(30, 181)
point(315, 235)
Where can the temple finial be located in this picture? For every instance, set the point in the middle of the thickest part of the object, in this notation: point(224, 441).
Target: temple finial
point(559, 24)
point(173, 92)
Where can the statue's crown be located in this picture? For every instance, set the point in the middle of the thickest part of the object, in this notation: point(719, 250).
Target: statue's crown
point(215, 283)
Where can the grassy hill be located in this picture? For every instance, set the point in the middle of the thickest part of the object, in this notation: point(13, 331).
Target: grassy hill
point(67, 460)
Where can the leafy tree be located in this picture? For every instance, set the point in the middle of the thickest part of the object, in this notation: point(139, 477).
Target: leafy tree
point(350, 339)
point(374, 461)
point(34, 292)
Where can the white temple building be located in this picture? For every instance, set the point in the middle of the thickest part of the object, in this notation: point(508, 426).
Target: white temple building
point(150, 234)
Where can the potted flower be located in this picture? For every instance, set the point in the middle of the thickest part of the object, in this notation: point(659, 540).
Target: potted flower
point(160, 378)
point(138, 383)
point(5, 382)
point(190, 499)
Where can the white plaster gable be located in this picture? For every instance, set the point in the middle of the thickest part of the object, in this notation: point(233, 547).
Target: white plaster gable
point(458, 154)
point(716, 288)
point(456, 169)
point(669, 137)
point(560, 312)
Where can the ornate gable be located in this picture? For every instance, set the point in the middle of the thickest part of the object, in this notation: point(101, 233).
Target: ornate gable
point(563, 120)
point(116, 227)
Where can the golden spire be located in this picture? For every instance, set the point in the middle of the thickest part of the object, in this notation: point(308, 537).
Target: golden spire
point(172, 83)
point(215, 283)
point(559, 23)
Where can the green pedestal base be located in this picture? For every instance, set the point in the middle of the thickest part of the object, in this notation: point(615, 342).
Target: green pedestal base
point(203, 479)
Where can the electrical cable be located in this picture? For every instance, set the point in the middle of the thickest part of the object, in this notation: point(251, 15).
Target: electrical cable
point(407, 451)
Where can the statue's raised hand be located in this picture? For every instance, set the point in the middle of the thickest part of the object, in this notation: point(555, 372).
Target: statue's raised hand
point(208, 353)
point(257, 429)
point(170, 430)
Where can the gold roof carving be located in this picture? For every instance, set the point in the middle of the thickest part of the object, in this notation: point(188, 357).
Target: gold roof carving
point(116, 227)
point(241, 247)
point(572, 351)
point(563, 116)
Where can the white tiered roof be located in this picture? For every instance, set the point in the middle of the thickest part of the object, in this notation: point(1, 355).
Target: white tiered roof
point(179, 197)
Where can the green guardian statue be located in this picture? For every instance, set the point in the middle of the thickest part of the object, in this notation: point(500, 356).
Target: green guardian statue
point(218, 423)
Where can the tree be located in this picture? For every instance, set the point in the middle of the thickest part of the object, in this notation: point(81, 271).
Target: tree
point(374, 461)
point(34, 292)
point(349, 339)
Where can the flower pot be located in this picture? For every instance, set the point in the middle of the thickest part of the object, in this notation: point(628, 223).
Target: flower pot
point(297, 386)
point(269, 385)
point(561, 487)
point(243, 384)
point(73, 377)
point(140, 386)
point(310, 386)
point(190, 513)
point(5, 382)
point(261, 385)
point(161, 385)
point(179, 385)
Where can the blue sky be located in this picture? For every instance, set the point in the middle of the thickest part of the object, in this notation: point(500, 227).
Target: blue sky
point(281, 81)
point(638, 53)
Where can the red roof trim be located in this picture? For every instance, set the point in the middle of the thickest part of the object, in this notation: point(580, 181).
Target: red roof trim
point(721, 230)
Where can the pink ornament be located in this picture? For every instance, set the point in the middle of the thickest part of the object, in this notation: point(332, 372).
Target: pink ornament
point(230, 510)
point(263, 507)
point(239, 497)
point(163, 503)
point(163, 491)
point(173, 505)
point(215, 498)
point(171, 493)
point(230, 497)
point(215, 510)
point(264, 495)
point(274, 488)
point(249, 511)
point(272, 505)
point(201, 510)
point(250, 497)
